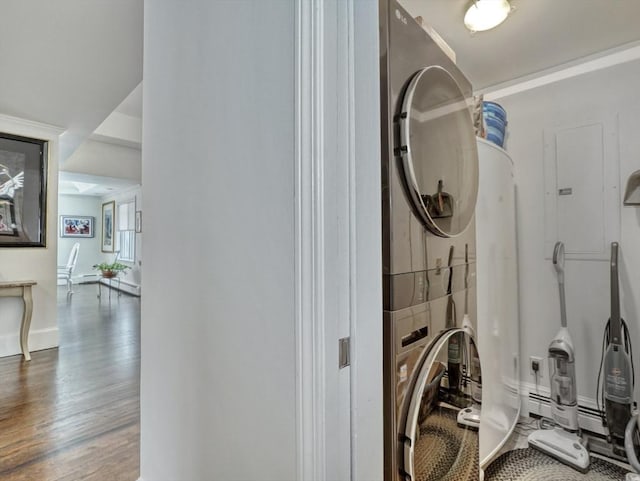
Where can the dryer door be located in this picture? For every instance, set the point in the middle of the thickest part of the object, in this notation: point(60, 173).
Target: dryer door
point(439, 152)
point(443, 417)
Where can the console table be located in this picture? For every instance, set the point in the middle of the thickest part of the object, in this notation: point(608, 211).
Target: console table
point(21, 289)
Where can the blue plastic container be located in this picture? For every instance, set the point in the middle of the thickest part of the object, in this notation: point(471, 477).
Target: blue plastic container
point(495, 119)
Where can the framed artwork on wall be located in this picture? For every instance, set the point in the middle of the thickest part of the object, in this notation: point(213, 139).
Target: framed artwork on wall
point(76, 226)
point(23, 191)
point(108, 224)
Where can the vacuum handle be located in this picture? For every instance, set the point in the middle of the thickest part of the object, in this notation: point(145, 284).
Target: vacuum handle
point(616, 328)
point(558, 263)
point(563, 305)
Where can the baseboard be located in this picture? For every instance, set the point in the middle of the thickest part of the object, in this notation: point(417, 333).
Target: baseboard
point(537, 402)
point(80, 279)
point(124, 286)
point(38, 340)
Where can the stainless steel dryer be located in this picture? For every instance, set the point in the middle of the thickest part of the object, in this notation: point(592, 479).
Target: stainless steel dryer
point(429, 190)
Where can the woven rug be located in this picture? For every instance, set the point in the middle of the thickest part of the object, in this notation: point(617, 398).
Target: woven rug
point(444, 451)
point(532, 465)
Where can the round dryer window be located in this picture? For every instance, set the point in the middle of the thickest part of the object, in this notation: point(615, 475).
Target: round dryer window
point(439, 152)
point(440, 438)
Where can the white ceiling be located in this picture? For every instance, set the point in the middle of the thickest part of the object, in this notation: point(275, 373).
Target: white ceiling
point(69, 63)
point(539, 35)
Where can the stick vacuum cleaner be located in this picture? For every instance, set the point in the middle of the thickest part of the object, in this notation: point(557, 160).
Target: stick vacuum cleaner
point(562, 442)
point(618, 376)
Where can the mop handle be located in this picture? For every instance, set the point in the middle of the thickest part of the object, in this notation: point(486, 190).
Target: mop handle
point(449, 265)
point(558, 263)
point(616, 328)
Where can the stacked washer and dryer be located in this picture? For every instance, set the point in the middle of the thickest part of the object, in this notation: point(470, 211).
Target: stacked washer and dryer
point(432, 372)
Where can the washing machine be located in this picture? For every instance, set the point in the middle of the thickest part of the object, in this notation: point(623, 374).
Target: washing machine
point(432, 373)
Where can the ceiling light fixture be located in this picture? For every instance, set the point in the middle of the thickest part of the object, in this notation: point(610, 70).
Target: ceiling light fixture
point(486, 14)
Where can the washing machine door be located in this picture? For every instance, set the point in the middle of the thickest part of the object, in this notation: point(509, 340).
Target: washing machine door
point(439, 152)
point(443, 417)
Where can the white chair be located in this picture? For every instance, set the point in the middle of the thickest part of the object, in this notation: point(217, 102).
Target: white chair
point(65, 272)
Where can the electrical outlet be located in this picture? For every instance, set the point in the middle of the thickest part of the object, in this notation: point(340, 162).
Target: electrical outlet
point(539, 362)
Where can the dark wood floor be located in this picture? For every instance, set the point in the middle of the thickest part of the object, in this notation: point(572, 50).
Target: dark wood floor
point(73, 413)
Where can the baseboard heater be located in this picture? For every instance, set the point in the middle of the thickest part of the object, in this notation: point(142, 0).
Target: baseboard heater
point(88, 278)
point(127, 283)
point(124, 286)
point(129, 287)
point(589, 419)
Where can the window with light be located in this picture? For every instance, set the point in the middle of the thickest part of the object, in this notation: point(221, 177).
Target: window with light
point(127, 231)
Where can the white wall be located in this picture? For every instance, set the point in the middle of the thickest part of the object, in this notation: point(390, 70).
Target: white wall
point(608, 96)
point(35, 263)
point(89, 254)
point(218, 393)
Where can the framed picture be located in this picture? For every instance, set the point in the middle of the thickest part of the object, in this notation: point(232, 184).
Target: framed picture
point(23, 191)
point(138, 221)
point(108, 225)
point(76, 226)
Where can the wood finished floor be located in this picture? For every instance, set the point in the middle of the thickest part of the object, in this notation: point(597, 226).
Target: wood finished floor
point(73, 413)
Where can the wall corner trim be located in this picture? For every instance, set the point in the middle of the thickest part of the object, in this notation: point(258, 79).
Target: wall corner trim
point(337, 250)
point(309, 257)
